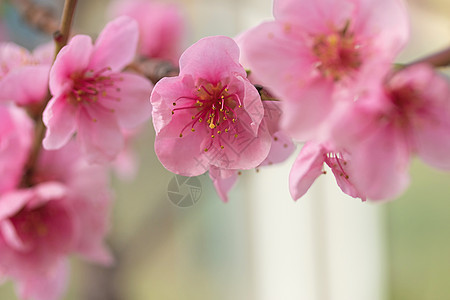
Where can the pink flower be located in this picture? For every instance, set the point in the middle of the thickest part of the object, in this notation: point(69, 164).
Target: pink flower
point(23, 75)
point(36, 233)
point(91, 97)
point(161, 27)
point(65, 212)
point(382, 129)
point(309, 165)
point(209, 115)
point(16, 136)
point(315, 50)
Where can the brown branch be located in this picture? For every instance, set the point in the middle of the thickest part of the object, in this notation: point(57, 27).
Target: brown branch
point(62, 36)
point(61, 39)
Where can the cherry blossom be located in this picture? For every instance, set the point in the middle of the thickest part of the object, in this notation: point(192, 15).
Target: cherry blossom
point(309, 165)
point(410, 114)
point(92, 97)
point(24, 75)
point(209, 115)
point(64, 212)
point(315, 50)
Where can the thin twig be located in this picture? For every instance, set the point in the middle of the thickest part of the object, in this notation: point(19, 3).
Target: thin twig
point(437, 60)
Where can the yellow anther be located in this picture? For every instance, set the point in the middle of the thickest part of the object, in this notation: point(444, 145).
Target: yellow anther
point(181, 135)
point(226, 129)
point(221, 147)
point(212, 136)
point(192, 129)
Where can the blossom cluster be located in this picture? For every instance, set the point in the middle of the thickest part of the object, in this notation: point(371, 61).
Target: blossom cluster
point(320, 74)
point(328, 68)
point(67, 119)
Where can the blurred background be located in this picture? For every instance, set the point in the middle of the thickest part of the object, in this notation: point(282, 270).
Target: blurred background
point(261, 245)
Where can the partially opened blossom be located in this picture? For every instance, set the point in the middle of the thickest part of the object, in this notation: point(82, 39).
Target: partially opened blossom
point(92, 97)
point(161, 27)
point(209, 115)
point(23, 75)
point(16, 136)
point(409, 115)
point(64, 212)
point(316, 53)
point(310, 164)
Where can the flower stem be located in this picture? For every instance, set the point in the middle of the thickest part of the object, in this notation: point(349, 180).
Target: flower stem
point(61, 37)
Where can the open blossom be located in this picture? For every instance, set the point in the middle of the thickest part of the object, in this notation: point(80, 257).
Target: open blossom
point(309, 165)
point(315, 50)
point(65, 212)
point(23, 75)
point(409, 115)
point(16, 136)
point(209, 115)
point(161, 27)
point(92, 97)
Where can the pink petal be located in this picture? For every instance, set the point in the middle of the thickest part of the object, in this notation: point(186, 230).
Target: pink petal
point(11, 203)
point(281, 149)
point(307, 167)
point(313, 16)
point(116, 45)
point(99, 134)
point(223, 181)
point(279, 59)
point(12, 239)
point(26, 85)
point(244, 152)
point(380, 162)
point(60, 119)
point(251, 101)
point(133, 106)
point(212, 59)
point(430, 125)
point(72, 59)
point(48, 286)
point(183, 156)
point(163, 95)
point(385, 21)
point(305, 111)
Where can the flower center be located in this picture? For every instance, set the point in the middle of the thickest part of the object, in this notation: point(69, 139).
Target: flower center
point(337, 53)
point(90, 85)
point(212, 105)
point(337, 162)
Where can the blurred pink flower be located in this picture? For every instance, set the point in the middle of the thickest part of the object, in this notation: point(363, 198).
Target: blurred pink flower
point(16, 136)
point(92, 97)
point(309, 165)
point(161, 27)
point(209, 115)
point(23, 75)
point(411, 114)
point(315, 50)
point(65, 212)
